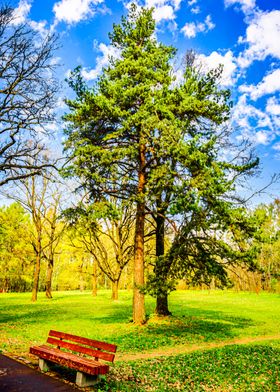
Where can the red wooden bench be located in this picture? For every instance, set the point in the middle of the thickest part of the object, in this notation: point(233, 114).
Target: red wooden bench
point(88, 362)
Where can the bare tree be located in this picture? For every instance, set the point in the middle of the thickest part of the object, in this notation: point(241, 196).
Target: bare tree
point(41, 197)
point(27, 96)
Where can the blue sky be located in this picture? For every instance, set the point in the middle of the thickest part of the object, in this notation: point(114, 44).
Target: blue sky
point(244, 35)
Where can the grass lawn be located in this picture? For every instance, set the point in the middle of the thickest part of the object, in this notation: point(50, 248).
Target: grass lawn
point(200, 320)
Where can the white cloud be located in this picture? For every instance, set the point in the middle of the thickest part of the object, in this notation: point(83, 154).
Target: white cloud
point(192, 2)
point(262, 38)
point(262, 137)
point(163, 9)
point(269, 85)
point(246, 5)
point(254, 124)
point(21, 12)
point(195, 10)
point(273, 106)
point(276, 146)
point(229, 66)
point(101, 61)
point(40, 27)
point(190, 30)
point(72, 11)
point(209, 23)
point(165, 12)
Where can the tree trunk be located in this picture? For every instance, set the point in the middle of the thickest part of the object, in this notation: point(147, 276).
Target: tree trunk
point(94, 279)
point(36, 276)
point(49, 279)
point(115, 290)
point(138, 296)
point(160, 269)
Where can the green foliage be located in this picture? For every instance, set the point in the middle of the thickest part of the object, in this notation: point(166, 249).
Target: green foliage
point(16, 254)
point(268, 218)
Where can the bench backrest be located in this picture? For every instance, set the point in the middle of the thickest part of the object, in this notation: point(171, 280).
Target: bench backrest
point(85, 346)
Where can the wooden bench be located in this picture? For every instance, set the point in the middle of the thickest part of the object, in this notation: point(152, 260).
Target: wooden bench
point(86, 362)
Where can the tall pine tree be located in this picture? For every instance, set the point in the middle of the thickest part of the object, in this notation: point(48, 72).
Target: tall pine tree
point(136, 135)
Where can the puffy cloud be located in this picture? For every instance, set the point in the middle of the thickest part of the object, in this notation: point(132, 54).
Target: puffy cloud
point(246, 5)
point(72, 11)
point(163, 9)
point(269, 85)
point(190, 30)
point(273, 106)
point(21, 12)
point(262, 38)
point(101, 61)
point(262, 137)
point(254, 124)
point(276, 146)
point(40, 27)
point(229, 65)
point(165, 12)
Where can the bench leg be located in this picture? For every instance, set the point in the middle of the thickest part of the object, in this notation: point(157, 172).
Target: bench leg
point(43, 365)
point(86, 380)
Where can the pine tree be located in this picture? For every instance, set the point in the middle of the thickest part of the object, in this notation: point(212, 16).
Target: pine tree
point(114, 128)
point(137, 136)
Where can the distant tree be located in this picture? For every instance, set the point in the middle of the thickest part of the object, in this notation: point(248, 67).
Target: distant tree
point(27, 96)
point(106, 232)
point(54, 228)
point(269, 257)
point(41, 198)
point(16, 256)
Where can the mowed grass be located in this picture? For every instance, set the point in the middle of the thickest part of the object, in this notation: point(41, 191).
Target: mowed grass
point(200, 318)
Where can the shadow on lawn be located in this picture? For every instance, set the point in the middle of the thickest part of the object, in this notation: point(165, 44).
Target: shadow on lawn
point(194, 326)
point(205, 326)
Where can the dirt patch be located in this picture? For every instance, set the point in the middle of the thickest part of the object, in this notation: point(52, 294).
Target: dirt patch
point(184, 349)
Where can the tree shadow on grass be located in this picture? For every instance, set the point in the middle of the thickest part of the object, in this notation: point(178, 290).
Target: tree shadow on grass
point(194, 327)
point(205, 326)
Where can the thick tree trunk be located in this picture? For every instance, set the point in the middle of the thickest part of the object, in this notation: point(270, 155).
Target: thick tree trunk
point(160, 270)
point(115, 290)
point(138, 296)
point(49, 279)
point(36, 276)
point(94, 279)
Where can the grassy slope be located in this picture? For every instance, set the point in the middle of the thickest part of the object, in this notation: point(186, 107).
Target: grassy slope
point(199, 317)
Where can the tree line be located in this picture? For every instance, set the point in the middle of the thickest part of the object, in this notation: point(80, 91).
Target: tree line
point(77, 261)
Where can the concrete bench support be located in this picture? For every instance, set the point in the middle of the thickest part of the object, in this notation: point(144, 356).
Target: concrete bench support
point(86, 380)
point(43, 365)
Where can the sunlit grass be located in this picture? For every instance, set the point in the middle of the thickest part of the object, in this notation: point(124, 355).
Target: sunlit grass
point(198, 316)
point(199, 319)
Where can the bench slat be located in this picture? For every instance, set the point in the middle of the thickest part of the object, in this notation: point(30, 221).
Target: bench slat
point(84, 350)
point(89, 342)
point(70, 360)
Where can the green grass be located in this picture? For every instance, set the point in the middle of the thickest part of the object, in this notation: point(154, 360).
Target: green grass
point(232, 368)
point(199, 318)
